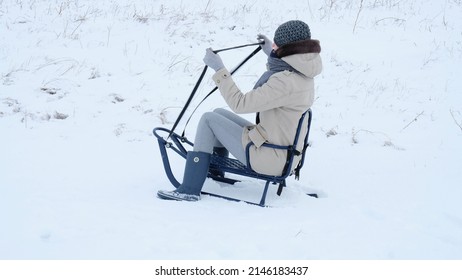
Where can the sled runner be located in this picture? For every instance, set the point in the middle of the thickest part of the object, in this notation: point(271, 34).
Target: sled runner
point(219, 165)
point(181, 145)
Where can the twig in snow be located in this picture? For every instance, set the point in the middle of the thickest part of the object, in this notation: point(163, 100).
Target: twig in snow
point(357, 16)
point(454, 118)
point(395, 19)
point(163, 115)
point(108, 35)
point(25, 118)
point(309, 8)
point(414, 120)
point(207, 6)
point(175, 61)
point(78, 25)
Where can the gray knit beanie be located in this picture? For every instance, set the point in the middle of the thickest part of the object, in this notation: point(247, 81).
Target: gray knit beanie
point(291, 31)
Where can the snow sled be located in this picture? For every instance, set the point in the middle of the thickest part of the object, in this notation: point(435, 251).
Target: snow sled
point(220, 164)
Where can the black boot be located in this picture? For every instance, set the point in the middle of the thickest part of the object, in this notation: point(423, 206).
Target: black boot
point(222, 152)
point(195, 172)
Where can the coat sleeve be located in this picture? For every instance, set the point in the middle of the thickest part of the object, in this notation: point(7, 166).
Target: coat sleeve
point(272, 94)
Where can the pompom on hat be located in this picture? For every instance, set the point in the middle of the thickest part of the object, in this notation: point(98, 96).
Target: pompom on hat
point(291, 31)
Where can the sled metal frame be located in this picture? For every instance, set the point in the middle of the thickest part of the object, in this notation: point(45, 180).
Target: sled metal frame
point(181, 145)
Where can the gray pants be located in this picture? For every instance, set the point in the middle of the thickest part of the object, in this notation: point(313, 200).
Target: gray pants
point(221, 128)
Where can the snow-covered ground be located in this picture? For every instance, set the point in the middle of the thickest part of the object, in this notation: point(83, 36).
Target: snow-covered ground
point(82, 84)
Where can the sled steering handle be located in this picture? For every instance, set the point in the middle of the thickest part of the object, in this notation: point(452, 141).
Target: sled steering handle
point(238, 47)
point(200, 80)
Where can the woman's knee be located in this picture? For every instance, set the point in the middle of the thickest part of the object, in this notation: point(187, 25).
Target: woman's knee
point(225, 113)
point(207, 116)
point(220, 111)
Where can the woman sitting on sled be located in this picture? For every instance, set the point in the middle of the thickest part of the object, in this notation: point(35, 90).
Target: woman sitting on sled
point(280, 97)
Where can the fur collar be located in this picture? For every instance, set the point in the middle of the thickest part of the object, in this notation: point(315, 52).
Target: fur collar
point(306, 46)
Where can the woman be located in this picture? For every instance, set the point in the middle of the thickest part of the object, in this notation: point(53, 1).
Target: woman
point(280, 97)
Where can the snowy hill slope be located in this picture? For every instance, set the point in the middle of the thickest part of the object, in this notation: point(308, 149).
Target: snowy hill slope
point(82, 84)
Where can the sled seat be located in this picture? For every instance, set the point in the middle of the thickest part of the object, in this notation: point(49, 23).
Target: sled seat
point(220, 164)
point(234, 166)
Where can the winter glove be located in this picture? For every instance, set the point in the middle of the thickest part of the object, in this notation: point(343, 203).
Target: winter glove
point(213, 60)
point(268, 46)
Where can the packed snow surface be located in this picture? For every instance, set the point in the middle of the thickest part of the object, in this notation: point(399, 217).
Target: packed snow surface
point(83, 83)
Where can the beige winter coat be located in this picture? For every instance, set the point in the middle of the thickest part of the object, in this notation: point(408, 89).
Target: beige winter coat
point(281, 101)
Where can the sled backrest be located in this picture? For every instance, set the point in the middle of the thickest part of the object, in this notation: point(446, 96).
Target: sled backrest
point(291, 149)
